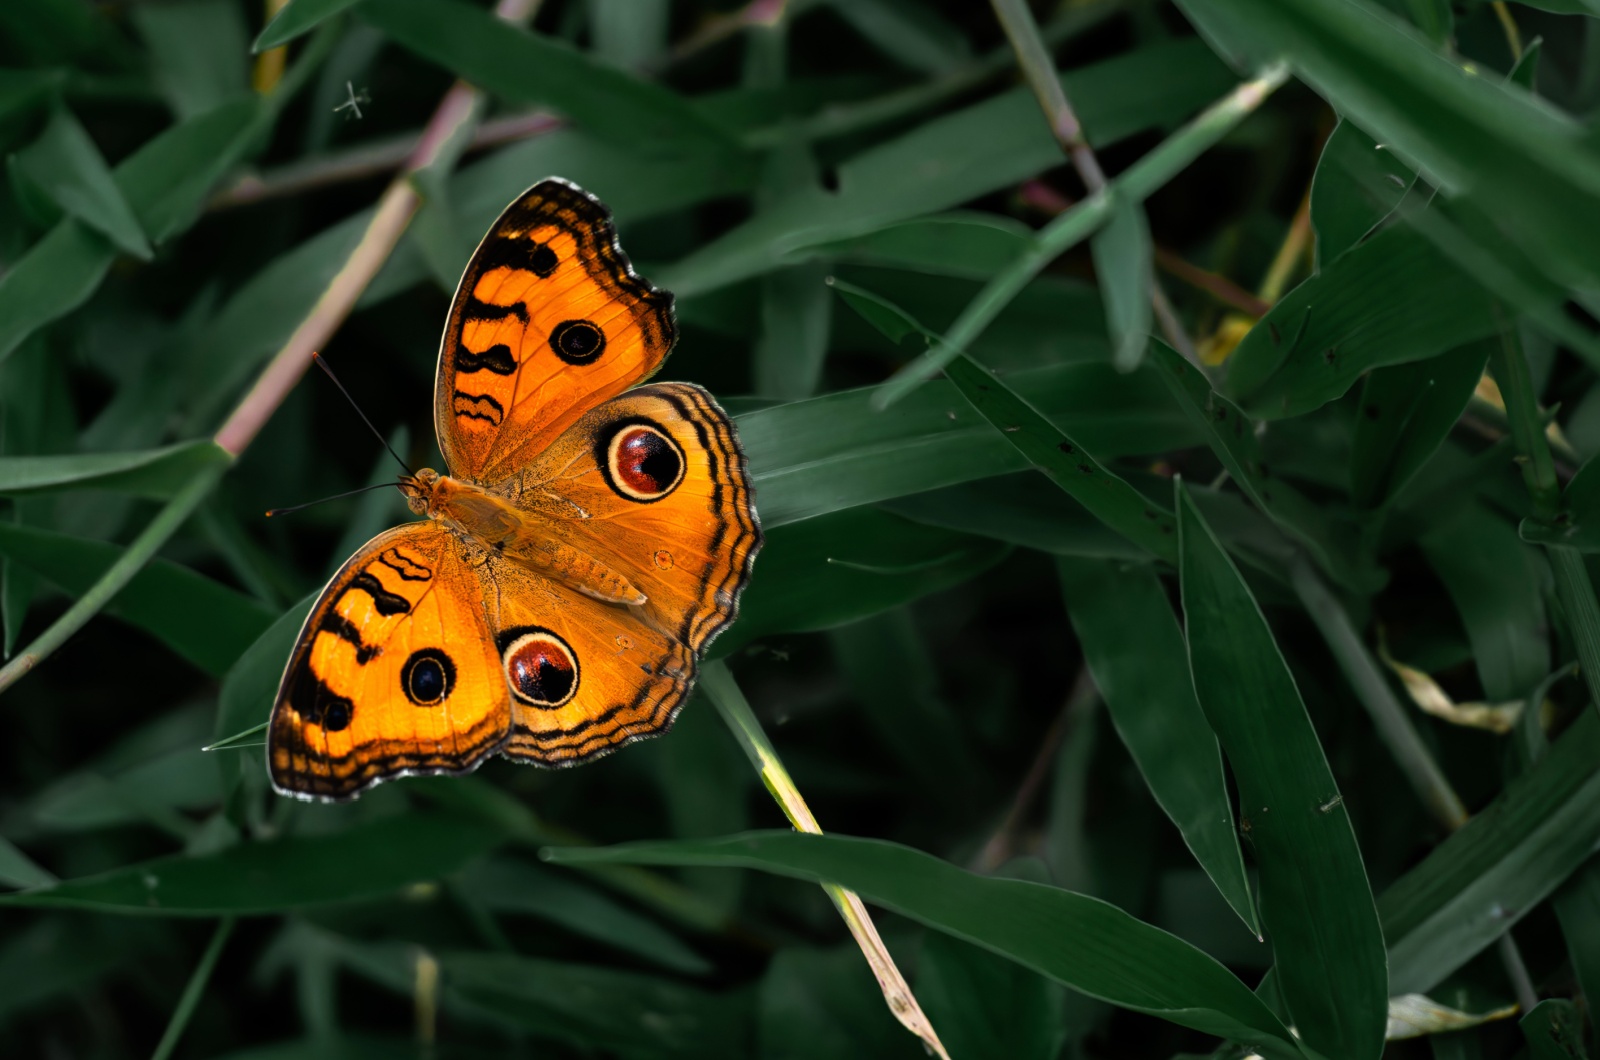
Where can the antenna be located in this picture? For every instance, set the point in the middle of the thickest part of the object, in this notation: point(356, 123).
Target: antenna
point(323, 364)
point(336, 496)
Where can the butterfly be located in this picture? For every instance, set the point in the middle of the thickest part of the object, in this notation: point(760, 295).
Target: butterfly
point(588, 538)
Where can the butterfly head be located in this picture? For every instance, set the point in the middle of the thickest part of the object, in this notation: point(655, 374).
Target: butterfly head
point(419, 488)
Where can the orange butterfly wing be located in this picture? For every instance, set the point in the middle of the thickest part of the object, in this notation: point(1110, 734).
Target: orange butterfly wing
point(549, 320)
point(394, 672)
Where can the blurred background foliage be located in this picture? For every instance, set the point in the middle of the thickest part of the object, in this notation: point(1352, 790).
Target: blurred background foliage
point(1188, 670)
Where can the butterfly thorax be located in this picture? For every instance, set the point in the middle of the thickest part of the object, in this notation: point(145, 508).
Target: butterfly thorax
point(528, 538)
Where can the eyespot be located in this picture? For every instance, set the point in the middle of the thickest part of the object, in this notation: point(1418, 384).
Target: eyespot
point(541, 669)
point(428, 677)
point(578, 341)
point(663, 559)
point(642, 462)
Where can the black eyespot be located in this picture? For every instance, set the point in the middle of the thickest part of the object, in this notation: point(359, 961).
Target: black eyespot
point(336, 715)
point(578, 341)
point(543, 260)
point(428, 677)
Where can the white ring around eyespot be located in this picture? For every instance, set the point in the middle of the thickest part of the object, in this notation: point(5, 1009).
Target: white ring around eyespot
point(543, 637)
point(613, 448)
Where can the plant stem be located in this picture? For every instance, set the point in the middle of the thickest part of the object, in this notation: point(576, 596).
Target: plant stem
point(1077, 224)
point(1573, 587)
point(1393, 723)
point(191, 993)
point(725, 695)
point(369, 160)
point(1016, 18)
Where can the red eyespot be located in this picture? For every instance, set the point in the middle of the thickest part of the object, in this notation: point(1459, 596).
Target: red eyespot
point(643, 463)
point(540, 669)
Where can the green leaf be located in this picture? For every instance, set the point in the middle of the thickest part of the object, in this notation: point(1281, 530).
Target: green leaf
point(295, 18)
point(1577, 906)
point(1083, 943)
point(846, 566)
point(1017, 509)
point(1232, 437)
point(796, 312)
point(205, 622)
point(364, 861)
point(1123, 263)
point(1554, 1031)
point(508, 886)
point(817, 1004)
point(956, 158)
point(1356, 186)
point(19, 870)
point(960, 243)
point(199, 52)
point(909, 33)
point(986, 1008)
point(1135, 651)
point(57, 275)
point(630, 33)
point(1315, 901)
point(530, 68)
point(621, 1013)
point(165, 182)
point(1064, 461)
point(67, 165)
point(62, 955)
point(1530, 166)
point(1477, 884)
point(1497, 583)
point(809, 458)
point(154, 473)
point(1391, 299)
point(252, 683)
point(891, 674)
point(1406, 413)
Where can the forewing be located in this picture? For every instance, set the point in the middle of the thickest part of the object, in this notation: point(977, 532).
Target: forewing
point(549, 321)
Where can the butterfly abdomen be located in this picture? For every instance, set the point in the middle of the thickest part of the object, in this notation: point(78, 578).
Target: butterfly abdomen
point(522, 537)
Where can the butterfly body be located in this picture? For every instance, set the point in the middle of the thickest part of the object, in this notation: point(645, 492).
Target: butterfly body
point(527, 536)
point(583, 546)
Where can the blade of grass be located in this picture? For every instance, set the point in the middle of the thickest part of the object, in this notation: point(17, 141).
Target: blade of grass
point(724, 692)
point(1316, 903)
point(1142, 179)
point(192, 991)
point(1134, 648)
point(1046, 446)
point(1083, 943)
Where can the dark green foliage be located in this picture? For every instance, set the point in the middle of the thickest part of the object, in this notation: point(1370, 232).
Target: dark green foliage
point(1260, 840)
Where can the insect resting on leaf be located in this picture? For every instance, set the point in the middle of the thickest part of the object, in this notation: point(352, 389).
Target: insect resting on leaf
point(588, 538)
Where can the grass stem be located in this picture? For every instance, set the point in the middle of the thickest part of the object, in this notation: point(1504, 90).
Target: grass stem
point(193, 991)
point(726, 696)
